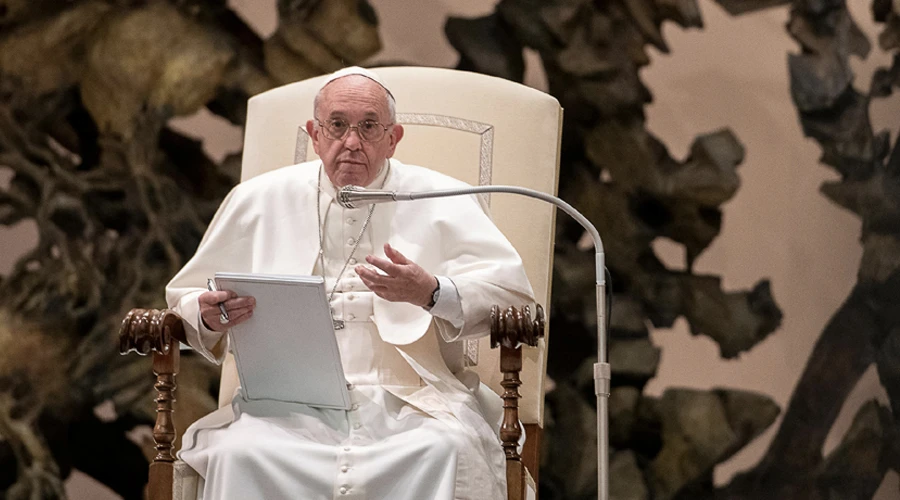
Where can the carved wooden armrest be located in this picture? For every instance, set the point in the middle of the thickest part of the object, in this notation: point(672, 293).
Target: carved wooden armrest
point(511, 329)
point(158, 331)
point(150, 330)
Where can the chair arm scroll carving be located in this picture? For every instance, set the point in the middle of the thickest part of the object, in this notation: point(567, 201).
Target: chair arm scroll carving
point(514, 326)
point(150, 330)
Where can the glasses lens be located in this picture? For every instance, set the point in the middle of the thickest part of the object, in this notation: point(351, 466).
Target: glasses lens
point(337, 128)
point(370, 130)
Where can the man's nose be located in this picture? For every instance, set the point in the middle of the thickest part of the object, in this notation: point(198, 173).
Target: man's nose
point(352, 140)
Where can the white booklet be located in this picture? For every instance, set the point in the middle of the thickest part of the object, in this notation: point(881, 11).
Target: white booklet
point(287, 350)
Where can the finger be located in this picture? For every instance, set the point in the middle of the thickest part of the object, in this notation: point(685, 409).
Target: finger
point(388, 292)
point(212, 298)
point(210, 311)
point(234, 313)
point(394, 254)
point(385, 265)
point(237, 320)
point(387, 295)
point(240, 302)
point(373, 283)
point(381, 291)
point(372, 276)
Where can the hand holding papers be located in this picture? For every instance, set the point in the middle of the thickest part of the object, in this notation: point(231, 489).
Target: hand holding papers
point(221, 310)
point(223, 316)
point(287, 350)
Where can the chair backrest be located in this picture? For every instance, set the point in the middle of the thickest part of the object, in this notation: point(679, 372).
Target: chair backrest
point(479, 129)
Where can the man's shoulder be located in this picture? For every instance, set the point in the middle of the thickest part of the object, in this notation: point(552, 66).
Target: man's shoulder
point(290, 179)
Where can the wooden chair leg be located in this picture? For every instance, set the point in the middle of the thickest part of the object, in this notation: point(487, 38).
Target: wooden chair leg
point(531, 452)
point(509, 330)
point(165, 367)
point(158, 332)
point(511, 430)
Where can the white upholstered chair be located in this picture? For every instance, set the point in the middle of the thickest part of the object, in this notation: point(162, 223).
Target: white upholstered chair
point(479, 129)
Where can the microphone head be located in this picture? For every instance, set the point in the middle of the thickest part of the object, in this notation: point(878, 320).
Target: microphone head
point(344, 196)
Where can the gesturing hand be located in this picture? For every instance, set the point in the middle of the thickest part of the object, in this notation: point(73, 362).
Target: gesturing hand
point(239, 309)
point(405, 281)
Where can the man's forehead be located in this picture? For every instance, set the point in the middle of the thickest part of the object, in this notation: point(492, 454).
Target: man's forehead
point(357, 71)
point(346, 112)
point(340, 101)
point(356, 96)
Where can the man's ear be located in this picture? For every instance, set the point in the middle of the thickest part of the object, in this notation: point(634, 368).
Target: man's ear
point(313, 133)
point(396, 135)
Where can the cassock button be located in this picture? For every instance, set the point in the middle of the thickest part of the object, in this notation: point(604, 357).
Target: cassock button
point(354, 407)
point(344, 490)
point(346, 448)
point(351, 241)
point(344, 468)
point(352, 261)
point(350, 296)
point(357, 425)
point(350, 220)
point(350, 387)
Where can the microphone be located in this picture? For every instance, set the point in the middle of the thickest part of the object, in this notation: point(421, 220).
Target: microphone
point(355, 196)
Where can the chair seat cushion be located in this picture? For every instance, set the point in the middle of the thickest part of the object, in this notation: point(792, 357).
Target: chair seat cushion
point(185, 482)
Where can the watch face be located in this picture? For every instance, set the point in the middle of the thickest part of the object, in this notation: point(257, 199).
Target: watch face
point(435, 295)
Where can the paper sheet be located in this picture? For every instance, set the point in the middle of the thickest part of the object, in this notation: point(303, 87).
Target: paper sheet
point(287, 351)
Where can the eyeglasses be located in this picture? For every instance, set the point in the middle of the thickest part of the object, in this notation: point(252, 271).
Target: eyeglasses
point(368, 130)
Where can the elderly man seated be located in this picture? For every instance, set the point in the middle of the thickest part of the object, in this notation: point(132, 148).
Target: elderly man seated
point(415, 431)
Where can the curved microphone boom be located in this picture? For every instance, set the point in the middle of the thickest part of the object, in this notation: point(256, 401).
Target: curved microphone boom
point(355, 196)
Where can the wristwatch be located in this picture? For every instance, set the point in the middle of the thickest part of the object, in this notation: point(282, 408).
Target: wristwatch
point(435, 295)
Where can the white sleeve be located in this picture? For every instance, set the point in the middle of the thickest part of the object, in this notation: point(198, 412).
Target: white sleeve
point(448, 306)
point(225, 245)
point(210, 340)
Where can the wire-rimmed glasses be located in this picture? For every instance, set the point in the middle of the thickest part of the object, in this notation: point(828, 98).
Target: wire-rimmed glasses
point(337, 128)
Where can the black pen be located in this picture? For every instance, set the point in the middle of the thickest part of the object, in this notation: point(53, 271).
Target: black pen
point(223, 317)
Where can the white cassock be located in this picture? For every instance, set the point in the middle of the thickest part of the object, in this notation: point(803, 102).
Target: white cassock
point(415, 431)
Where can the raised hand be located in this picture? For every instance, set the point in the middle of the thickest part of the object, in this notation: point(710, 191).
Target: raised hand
point(239, 309)
point(403, 281)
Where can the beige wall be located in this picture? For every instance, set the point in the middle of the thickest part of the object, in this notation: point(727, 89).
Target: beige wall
point(733, 73)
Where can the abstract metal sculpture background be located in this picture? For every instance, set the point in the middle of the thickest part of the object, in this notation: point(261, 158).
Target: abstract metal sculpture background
point(866, 328)
point(622, 178)
point(121, 201)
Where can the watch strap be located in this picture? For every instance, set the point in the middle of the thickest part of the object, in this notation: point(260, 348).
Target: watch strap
point(435, 294)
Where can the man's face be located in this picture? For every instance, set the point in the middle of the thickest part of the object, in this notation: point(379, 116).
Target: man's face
point(351, 160)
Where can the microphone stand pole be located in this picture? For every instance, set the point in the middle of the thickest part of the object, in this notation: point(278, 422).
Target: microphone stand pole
point(354, 196)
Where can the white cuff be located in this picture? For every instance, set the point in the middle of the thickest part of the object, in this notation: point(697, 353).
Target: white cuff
point(448, 305)
point(210, 341)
